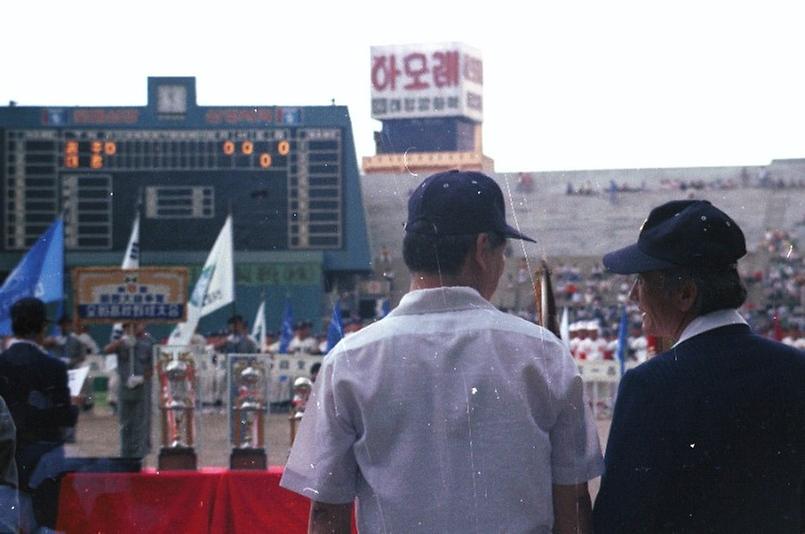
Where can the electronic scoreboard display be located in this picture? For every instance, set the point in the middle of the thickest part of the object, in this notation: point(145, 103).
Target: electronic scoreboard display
point(283, 185)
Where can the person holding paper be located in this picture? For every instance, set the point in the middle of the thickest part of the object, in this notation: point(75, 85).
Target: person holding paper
point(34, 386)
point(134, 367)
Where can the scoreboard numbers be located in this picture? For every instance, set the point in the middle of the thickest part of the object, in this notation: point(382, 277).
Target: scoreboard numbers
point(286, 183)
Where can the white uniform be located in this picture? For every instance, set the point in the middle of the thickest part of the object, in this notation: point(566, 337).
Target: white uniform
point(307, 345)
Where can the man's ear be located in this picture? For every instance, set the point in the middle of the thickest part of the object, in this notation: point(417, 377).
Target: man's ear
point(686, 296)
point(480, 252)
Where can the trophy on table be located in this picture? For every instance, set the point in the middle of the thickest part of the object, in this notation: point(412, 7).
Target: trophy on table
point(248, 404)
point(177, 401)
point(302, 387)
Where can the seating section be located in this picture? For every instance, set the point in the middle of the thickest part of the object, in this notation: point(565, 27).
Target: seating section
point(605, 209)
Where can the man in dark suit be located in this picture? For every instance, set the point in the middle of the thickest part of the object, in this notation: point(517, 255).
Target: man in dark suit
point(708, 436)
point(34, 386)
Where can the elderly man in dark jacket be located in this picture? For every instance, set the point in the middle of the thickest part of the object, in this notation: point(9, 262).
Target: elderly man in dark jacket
point(708, 436)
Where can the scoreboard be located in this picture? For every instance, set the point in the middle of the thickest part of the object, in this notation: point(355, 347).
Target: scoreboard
point(283, 185)
point(288, 175)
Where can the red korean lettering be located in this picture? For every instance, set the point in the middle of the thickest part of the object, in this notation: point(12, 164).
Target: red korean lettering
point(445, 69)
point(385, 72)
point(416, 67)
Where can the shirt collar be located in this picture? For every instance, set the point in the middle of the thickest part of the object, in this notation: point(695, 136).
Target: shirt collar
point(441, 299)
point(710, 321)
point(15, 340)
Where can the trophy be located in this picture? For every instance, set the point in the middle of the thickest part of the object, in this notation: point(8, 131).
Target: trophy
point(302, 387)
point(248, 404)
point(177, 400)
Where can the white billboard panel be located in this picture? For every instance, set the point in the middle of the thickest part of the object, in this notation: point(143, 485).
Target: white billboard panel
point(426, 80)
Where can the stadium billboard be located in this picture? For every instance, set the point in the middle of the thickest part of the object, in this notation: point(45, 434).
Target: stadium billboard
point(426, 80)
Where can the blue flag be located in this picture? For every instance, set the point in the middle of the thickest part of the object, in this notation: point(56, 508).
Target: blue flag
point(623, 340)
point(39, 274)
point(382, 308)
point(55, 328)
point(335, 331)
point(286, 331)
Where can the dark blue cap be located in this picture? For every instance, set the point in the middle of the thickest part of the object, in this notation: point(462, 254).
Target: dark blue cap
point(683, 233)
point(459, 203)
point(30, 309)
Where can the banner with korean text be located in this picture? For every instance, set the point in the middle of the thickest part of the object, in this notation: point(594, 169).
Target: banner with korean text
point(150, 294)
point(426, 80)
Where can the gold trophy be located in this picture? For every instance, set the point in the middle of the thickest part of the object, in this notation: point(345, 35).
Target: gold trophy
point(177, 401)
point(248, 404)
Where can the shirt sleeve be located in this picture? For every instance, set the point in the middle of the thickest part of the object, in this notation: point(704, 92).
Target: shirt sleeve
point(575, 448)
point(322, 463)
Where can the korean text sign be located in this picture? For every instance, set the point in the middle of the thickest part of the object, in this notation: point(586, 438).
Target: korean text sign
point(110, 295)
point(426, 80)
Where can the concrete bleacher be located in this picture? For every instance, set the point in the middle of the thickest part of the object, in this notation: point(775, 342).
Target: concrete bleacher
point(568, 226)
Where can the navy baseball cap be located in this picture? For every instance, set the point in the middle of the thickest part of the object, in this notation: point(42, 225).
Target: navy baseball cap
point(459, 203)
point(28, 315)
point(682, 233)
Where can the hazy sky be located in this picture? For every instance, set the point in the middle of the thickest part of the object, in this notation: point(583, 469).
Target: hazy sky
point(568, 84)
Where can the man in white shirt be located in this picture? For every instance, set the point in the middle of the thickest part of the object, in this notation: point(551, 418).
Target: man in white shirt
point(449, 415)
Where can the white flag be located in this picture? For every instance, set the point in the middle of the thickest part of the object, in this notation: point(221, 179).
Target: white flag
point(259, 326)
point(215, 287)
point(564, 328)
point(131, 260)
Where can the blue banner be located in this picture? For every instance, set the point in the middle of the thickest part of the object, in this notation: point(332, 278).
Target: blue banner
point(39, 274)
point(335, 330)
point(286, 330)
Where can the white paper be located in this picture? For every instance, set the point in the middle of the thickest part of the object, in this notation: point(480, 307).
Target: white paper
point(75, 379)
point(110, 362)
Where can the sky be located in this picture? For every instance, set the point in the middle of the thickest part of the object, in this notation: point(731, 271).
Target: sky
point(568, 84)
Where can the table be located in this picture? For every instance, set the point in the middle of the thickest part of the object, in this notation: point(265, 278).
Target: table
point(208, 500)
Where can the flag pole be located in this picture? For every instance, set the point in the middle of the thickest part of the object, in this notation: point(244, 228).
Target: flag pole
point(234, 267)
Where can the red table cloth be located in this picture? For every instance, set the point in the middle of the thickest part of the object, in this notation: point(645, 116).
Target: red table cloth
point(208, 500)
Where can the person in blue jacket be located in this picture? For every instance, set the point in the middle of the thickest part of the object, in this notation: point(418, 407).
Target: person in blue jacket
point(708, 436)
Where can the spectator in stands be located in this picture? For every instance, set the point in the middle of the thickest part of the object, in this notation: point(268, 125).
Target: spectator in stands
point(271, 337)
point(593, 346)
point(709, 434)
point(638, 345)
point(611, 350)
point(575, 339)
point(302, 340)
point(238, 341)
point(352, 326)
point(321, 341)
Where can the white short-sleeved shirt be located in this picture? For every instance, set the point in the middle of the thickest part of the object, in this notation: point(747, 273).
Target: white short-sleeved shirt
point(446, 416)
